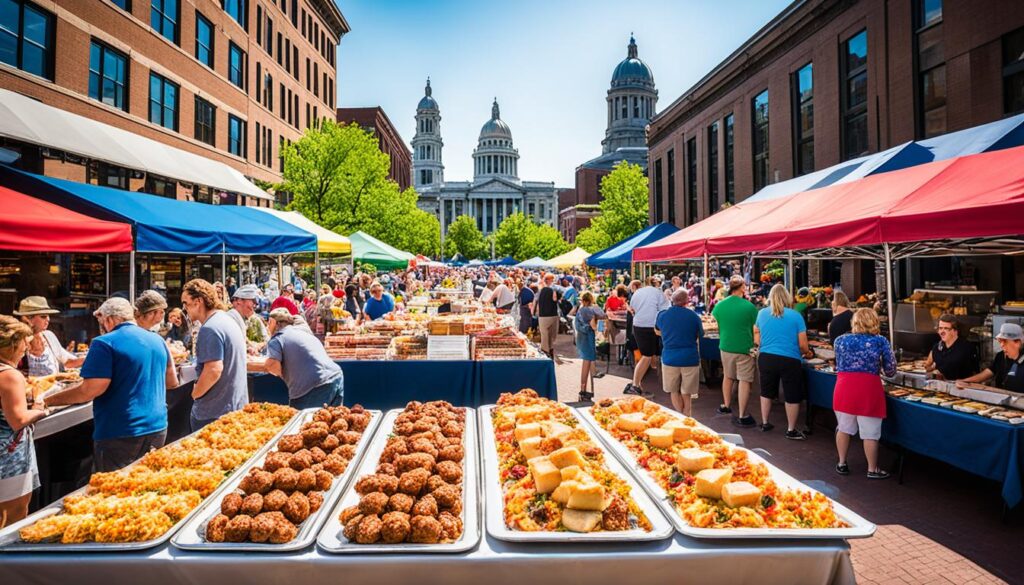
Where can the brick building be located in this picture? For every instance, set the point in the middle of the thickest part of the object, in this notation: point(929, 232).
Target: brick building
point(229, 80)
point(827, 81)
point(375, 120)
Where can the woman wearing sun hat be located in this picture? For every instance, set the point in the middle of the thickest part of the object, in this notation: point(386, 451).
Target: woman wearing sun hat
point(45, 354)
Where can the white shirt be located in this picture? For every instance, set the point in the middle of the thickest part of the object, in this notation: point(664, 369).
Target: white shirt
point(647, 303)
point(53, 356)
point(503, 296)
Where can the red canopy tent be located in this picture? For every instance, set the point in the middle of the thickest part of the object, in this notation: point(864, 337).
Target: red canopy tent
point(34, 225)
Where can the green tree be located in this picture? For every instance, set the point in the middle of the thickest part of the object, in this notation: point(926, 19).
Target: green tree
point(512, 238)
point(546, 242)
point(465, 238)
point(593, 240)
point(624, 208)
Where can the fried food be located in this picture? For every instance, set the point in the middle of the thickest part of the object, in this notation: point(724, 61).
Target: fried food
point(215, 528)
point(387, 469)
point(424, 445)
point(323, 480)
point(252, 505)
point(274, 501)
point(377, 483)
point(237, 529)
point(358, 421)
point(335, 464)
point(415, 461)
point(369, 530)
point(453, 429)
point(306, 481)
point(348, 514)
point(339, 426)
point(412, 482)
point(312, 433)
point(425, 529)
point(425, 506)
point(285, 479)
point(316, 501)
point(276, 460)
point(345, 452)
point(300, 460)
point(401, 503)
point(257, 482)
point(450, 471)
point(435, 482)
point(263, 526)
point(230, 505)
point(395, 527)
point(329, 443)
point(349, 437)
point(352, 527)
point(296, 509)
point(284, 531)
point(373, 503)
point(317, 454)
point(451, 453)
point(451, 526)
point(290, 443)
point(446, 496)
point(616, 515)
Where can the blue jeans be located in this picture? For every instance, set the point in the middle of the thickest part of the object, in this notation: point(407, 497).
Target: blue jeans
point(329, 394)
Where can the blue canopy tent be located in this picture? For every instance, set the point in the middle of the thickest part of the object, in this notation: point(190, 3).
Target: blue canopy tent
point(620, 255)
point(162, 225)
point(506, 261)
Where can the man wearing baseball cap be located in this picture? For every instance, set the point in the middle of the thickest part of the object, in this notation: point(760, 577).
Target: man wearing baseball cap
point(45, 353)
point(243, 306)
point(1007, 369)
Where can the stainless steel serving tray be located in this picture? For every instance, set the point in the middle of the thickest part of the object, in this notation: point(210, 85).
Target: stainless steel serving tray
point(495, 500)
point(192, 536)
point(859, 527)
point(10, 541)
point(332, 540)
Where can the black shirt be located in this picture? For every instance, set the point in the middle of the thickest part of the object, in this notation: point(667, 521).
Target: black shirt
point(957, 361)
point(840, 324)
point(1009, 373)
point(547, 302)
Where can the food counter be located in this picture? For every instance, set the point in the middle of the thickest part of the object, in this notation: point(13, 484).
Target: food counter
point(62, 419)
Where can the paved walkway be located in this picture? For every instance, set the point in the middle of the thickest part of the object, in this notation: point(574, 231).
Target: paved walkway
point(940, 526)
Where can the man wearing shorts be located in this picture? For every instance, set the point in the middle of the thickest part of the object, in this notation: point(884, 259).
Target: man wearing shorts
point(736, 317)
point(680, 329)
point(645, 306)
point(546, 310)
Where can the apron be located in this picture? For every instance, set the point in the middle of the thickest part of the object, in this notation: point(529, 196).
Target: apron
point(859, 394)
point(19, 474)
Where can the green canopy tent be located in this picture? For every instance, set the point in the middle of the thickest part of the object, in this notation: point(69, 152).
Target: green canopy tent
point(367, 249)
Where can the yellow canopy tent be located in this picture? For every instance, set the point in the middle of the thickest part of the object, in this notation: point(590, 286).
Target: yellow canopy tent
point(327, 241)
point(570, 259)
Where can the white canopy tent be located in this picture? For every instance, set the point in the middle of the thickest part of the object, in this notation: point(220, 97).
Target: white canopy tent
point(535, 262)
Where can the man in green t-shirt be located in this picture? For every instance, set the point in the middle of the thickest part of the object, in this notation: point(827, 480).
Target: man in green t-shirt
point(736, 317)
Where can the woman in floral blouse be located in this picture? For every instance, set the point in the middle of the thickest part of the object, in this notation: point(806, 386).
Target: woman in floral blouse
point(859, 399)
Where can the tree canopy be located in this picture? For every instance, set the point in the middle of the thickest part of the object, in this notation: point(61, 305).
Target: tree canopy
point(464, 237)
point(624, 208)
point(518, 236)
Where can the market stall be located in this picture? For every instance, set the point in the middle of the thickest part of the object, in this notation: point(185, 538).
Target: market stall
point(619, 256)
point(367, 249)
point(571, 259)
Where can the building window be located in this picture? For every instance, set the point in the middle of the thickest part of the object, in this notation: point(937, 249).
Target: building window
point(854, 96)
point(26, 37)
point(691, 180)
point(106, 175)
point(163, 17)
point(269, 43)
point(236, 65)
point(163, 102)
point(931, 69)
point(206, 121)
point(237, 9)
point(204, 40)
point(712, 168)
point(259, 25)
point(125, 5)
point(1013, 71)
point(161, 186)
point(803, 120)
point(657, 191)
point(929, 12)
point(236, 136)
point(670, 160)
point(268, 88)
point(258, 134)
point(730, 175)
point(108, 76)
point(760, 126)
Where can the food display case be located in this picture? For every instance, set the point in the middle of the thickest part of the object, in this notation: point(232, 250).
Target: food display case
point(918, 315)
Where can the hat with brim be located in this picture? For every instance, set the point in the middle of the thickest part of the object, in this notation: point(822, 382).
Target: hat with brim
point(1010, 331)
point(34, 306)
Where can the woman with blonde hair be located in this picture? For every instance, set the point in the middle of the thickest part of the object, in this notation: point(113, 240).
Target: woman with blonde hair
point(859, 399)
point(781, 335)
point(585, 317)
point(19, 475)
point(842, 315)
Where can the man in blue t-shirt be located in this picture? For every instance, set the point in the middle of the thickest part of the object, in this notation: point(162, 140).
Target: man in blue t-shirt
point(126, 374)
point(680, 328)
point(379, 304)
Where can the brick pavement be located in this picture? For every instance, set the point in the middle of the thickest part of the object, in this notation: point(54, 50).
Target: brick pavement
point(940, 526)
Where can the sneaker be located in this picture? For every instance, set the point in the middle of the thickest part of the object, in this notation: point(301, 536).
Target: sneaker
point(842, 469)
point(723, 409)
point(795, 435)
point(744, 421)
point(765, 427)
point(631, 389)
point(878, 474)
point(586, 396)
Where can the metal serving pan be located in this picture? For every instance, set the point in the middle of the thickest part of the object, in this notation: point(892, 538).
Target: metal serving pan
point(332, 540)
point(859, 527)
point(10, 541)
point(193, 535)
point(495, 500)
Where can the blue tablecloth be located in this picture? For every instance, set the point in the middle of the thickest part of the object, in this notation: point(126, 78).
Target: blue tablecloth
point(991, 449)
point(709, 349)
point(391, 384)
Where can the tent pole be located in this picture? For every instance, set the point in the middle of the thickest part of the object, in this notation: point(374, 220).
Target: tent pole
point(316, 275)
point(108, 275)
point(224, 265)
point(888, 296)
point(706, 281)
point(790, 280)
point(280, 273)
point(131, 276)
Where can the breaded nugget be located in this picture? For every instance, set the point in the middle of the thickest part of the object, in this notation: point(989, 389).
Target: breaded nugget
point(252, 505)
point(369, 530)
point(412, 482)
point(455, 508)
point(447, 495)
point(323, 415)
point(313, 433)
point(215, 528)
point(402, 427)
point(401, 503)
point(348, 514)
point(415, 461)
point(329, 443)
point(339, 425)
point(284, 531)
point(263, 526)
point(395, 447)
point(373, 503)
point(231, 504)
point(453, 429)
point(274, 501)
point(335, 464)
point(451, 453)
point(435, 482)
point(357, 408)
point(276, 460)
point(346, 452)
point(300, 460)
point(324, 479)
point(238, 528)
point(425, 529)
point(425, 506)
point(317, 454)
point(395, 527)
point(349, 437)
point(450, 471)
point(358, 421)
point(451, 525)
point(296, 509)
point(285, 479)
point(424, 445)
point(387, 468)
point(316, 500)
point(306, 481)
point(616, 516)
point(377, 483)
point(290, 443)
point(351, 526)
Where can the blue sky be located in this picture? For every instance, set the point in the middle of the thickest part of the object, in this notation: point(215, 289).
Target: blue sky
point(548, 63)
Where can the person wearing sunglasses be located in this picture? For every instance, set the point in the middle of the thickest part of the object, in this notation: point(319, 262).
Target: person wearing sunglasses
point(951, 358)
point(1007, 369)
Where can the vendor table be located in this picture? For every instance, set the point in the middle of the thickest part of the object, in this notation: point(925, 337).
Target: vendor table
point(991, 449)
point(679, 560)
point(709, 349)
point(62, 419)
point(392, 384)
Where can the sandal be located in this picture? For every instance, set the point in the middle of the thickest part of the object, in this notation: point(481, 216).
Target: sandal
point(842, 469)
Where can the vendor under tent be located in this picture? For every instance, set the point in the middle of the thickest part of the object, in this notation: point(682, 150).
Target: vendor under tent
point(620, 255)
point(367, 249)
point(535, 262)
point(571, 259)
point(29, 224)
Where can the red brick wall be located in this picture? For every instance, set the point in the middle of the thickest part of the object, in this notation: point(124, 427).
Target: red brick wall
point(390, 141)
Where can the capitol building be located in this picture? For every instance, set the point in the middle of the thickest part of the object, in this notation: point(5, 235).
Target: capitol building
point(495, 191)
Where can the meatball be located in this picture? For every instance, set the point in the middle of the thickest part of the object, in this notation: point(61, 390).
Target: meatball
point(387, 469)
point(455, 508)
point(453, 429)
point(373, 503)
point(301, 460)
point(450, 471)
point(369, 529)
point(230, 505)
point(313, 433)
point(318, 455)
point(335, 464)
point(215, 528)
point(351, 527)
point(377, 483)
point(415, 461)
point(284, 531)
point(395, 527)
point(616, 515)
point(238, 528)
point(297, 508)
point(263, 526)
point(290, 443)
point(425, 529)
point(412, 482)
point(339, 425)
point(252, 505)
point(451, 525)
point(348, 514)
point(316, 501)
point(424, 446)
point(451, 453)
point(317, 467)
point(274, 501)
point(306, 481)
point(257, 482)
point(403, 428)
point(358, 421)
point(276, 460)
point(425, 506)
point(285, 479)
point(424, 424)
point(393, 449)
point(401, 503)
point(435, 482)
point(329, 443)
point(447, 495)
point(357, 408)
point(346, 452)
point(323, 415)
point(349, 437)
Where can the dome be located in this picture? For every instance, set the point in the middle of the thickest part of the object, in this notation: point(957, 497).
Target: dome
point(428, 102)
point(495, 127)
point(632, 69)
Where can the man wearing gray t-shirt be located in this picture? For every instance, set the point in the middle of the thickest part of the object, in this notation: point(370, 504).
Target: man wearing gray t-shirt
point(296, 356)
point(220, 354)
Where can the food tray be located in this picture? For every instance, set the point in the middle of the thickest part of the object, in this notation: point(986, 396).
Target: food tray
point(331, 539)
point(859, 527)
point(495, 501)
point(10, 541)
point(193, 535)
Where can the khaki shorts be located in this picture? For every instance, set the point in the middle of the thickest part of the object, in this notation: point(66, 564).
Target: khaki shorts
point(738, 366)
point(682, 379)
point(548, 332)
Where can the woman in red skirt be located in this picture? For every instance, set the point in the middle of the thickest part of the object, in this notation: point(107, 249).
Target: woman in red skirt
point(859, 399)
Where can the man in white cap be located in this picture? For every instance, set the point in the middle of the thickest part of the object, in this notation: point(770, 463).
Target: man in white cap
point(243, 306)
point(1007, 368)
point(45, 355)
point(126, 375)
